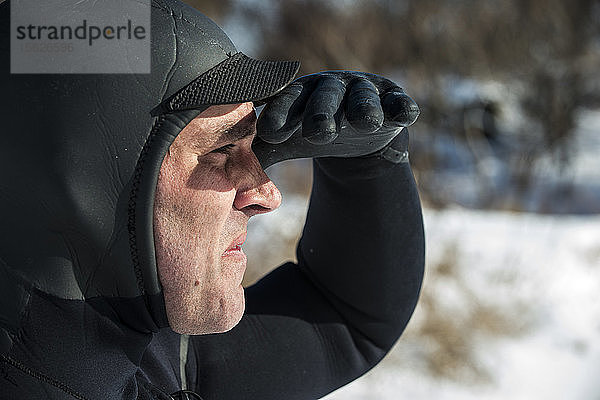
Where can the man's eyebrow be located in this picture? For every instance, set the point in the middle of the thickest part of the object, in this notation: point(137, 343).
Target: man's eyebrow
point(243, 128)
point(225, 133)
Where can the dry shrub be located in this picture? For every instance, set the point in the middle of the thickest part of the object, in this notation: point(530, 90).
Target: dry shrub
point(452, 322)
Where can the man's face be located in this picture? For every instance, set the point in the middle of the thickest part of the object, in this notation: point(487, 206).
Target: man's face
point(210, 184)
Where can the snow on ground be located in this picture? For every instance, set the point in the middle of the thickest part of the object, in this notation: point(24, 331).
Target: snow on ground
point(542, 270)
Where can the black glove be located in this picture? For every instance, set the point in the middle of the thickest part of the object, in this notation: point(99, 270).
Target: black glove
point(334, 114)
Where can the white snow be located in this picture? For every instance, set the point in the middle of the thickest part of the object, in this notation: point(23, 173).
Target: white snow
point(545, 267)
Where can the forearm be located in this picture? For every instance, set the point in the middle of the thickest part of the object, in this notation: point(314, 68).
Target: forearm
point(363, 244)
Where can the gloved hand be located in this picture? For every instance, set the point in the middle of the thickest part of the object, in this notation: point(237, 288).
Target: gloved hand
point(333, 114)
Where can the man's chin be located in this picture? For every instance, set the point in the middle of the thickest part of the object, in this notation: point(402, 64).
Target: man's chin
point(232, 323)
point(213, 322)
point(196, 330)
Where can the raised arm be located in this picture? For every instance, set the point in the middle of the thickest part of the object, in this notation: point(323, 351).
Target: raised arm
point(363, 246)
point(313, 327)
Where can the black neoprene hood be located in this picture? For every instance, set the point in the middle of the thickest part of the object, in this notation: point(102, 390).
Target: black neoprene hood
point(79, 160)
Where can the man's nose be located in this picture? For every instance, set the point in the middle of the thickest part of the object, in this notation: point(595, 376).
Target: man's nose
point(256, 193)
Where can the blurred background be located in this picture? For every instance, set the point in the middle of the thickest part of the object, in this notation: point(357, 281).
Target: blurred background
point(506, 154)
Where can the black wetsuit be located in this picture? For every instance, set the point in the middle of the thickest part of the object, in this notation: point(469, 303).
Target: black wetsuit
point(81, 312)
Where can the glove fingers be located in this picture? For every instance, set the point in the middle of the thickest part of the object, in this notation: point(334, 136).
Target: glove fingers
point(399, 107)
point(282, 115)
point(363, 107)
point(321, 116)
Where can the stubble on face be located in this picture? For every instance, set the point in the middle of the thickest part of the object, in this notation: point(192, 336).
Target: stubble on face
point(195, 223)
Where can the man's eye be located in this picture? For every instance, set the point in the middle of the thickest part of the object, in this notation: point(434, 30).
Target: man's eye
point(224, 149)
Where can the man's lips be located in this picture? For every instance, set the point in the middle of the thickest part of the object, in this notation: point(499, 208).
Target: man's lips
point(236, 245)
